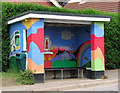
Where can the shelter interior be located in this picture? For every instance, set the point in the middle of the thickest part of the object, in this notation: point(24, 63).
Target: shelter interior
point(66, 48)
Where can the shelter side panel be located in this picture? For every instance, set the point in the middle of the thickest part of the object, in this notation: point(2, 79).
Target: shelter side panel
point(16, 38)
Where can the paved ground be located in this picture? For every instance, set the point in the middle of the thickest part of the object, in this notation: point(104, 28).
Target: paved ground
point(110, 87)
point(70, 84)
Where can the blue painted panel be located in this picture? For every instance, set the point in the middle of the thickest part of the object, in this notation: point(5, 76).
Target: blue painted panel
point(55, 34)
point(34, 53)
point(98, 32)
point(17, 26)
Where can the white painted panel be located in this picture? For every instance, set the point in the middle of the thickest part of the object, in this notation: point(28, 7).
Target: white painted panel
point(24, 40)
point(59, 17)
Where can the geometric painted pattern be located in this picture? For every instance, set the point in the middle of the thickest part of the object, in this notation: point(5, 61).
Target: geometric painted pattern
point(97, 46)
point(35, 44)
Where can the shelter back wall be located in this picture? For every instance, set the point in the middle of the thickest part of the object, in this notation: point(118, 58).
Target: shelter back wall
point(70, 46)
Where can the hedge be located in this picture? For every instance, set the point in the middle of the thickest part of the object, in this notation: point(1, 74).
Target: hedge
point(112, 32)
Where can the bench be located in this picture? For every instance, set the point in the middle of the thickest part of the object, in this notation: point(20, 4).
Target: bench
point(62, 70)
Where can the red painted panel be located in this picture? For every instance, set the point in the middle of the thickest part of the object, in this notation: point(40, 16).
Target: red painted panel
point(38, 39)
point(97, 42)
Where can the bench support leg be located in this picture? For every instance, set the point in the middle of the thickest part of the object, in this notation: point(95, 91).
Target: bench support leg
point(78, 73)
point(62, 74)
point(54, 74)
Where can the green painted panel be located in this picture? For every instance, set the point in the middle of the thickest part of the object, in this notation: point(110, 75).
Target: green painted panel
point(64, 63)
point(17, 41)
point(100, 24)
point(97, 65)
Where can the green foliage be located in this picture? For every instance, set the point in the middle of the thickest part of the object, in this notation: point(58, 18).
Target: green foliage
point(110, 66)
point(112, 32)
point(26, 77)
point(23, 77)
point(112, 43)
point(10, 74)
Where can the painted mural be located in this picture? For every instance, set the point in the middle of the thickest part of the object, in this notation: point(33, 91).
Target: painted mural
point(67, 47)
point(97, 46)
point(16, 38)
point(35, 44)
point(81, 59)
point(16, 44)
point(15, 41)
point(58, 47)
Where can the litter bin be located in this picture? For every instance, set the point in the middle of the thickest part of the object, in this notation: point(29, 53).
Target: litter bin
point(13, 64)
point(21, 61)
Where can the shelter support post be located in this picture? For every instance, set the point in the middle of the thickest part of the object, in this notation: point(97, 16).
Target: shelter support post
point(35, 47)
point(97, 50)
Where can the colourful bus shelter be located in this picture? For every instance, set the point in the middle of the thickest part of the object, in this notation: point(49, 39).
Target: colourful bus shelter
point(53, 40)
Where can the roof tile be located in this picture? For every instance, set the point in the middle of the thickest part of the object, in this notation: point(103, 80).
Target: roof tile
point(106, 6)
